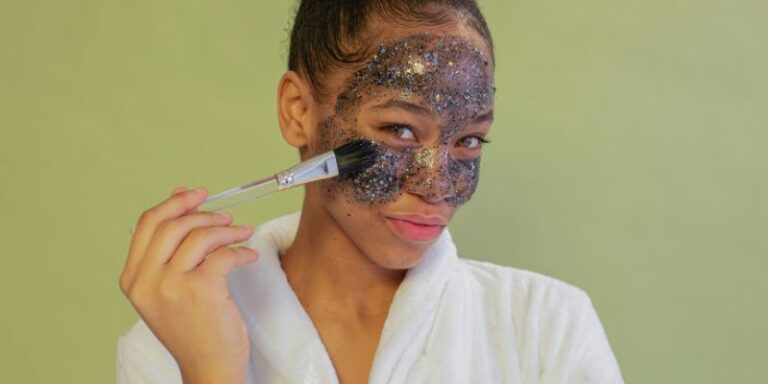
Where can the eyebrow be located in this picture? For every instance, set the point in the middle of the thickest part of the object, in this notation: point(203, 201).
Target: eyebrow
point(421, 110)
point(404, 105)
point(486, 117)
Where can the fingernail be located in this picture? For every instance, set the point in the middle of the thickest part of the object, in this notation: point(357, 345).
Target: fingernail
point(224, 215)
point(246, 227)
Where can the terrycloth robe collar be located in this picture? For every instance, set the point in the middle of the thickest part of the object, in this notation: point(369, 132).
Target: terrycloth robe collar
point(285, 346)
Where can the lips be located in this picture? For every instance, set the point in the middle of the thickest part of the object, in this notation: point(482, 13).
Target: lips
point(416, 228)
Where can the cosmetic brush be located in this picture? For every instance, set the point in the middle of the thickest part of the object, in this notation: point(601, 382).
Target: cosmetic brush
point(345, 161)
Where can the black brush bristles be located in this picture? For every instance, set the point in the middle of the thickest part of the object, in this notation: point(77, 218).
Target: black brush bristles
point(355, 156)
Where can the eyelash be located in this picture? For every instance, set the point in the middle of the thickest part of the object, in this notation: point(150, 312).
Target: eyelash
point(393, 128)
point(481, 139)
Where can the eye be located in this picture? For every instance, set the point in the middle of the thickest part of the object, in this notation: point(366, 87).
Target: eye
point(472, 142)
point(401, 131)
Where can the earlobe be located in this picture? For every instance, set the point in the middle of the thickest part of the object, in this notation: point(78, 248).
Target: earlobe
point(293, 108)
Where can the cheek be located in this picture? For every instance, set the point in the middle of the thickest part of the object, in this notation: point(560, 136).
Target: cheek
point(378, 184)
point(466, 176)
point(334, 132)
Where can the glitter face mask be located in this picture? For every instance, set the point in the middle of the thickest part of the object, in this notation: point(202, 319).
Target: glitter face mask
point(448, 76)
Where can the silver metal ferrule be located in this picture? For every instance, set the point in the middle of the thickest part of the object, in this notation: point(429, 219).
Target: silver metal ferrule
point(320, 167)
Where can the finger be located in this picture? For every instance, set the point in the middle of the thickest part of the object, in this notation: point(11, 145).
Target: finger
point(179, 190)
point(225, 259)
point(202, 241)
point(172, 207)
point(171, 233)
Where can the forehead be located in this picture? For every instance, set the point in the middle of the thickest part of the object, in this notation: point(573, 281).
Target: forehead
point(445, 72)
point(423, 59)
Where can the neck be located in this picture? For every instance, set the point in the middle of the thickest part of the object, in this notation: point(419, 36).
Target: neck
point(328, 272)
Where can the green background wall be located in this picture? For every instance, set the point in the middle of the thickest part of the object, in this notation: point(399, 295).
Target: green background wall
point(628, 158)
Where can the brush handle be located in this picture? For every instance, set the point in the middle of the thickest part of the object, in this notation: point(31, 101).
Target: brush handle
point(317, 168)
point(241, 194)
point(237, 195)
point(320, 167)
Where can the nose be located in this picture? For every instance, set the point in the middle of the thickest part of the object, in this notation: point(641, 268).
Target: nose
point(428, 174)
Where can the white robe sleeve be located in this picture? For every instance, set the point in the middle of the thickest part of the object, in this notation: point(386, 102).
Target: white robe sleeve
point(141, 358)
point(575, 348)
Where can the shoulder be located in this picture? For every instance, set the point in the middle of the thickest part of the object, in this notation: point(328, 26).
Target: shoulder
point(552, 319)
point(524, 288)
point(142, 358)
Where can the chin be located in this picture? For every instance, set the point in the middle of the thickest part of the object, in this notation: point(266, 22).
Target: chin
point(398, 258)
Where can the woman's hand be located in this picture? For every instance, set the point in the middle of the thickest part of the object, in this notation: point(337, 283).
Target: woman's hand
point(175, 277)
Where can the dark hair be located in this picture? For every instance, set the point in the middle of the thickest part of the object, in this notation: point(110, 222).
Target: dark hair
point(327, 33)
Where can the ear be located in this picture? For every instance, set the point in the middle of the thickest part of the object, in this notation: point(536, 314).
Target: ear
point(294, 108)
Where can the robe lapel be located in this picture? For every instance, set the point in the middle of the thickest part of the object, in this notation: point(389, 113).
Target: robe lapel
point(412, 313)
point(286, 347)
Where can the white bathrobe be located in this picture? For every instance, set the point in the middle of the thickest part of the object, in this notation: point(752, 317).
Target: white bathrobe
point(451, 321)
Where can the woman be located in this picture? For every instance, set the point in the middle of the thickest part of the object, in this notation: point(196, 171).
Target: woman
point(363, 285)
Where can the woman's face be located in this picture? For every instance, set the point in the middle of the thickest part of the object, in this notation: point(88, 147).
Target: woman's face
point(427, 100)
